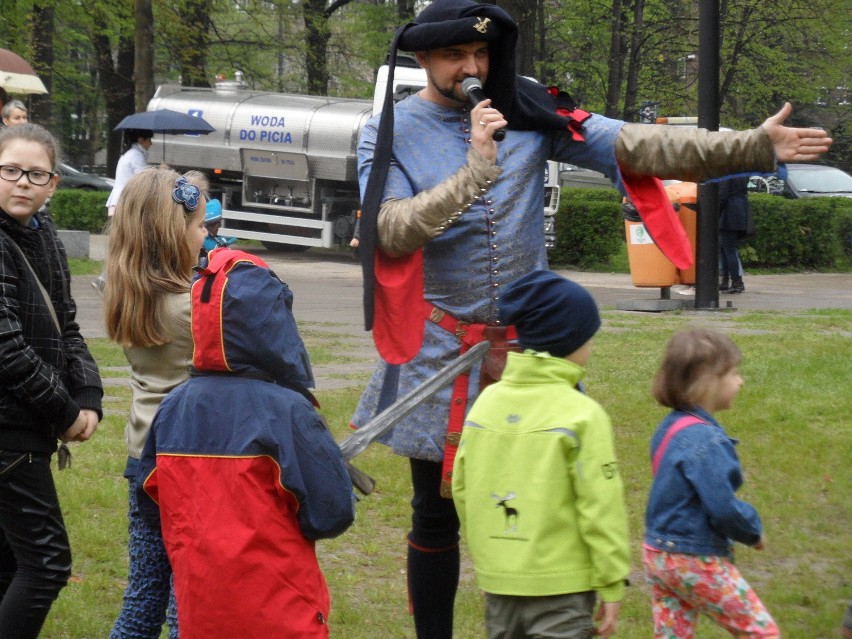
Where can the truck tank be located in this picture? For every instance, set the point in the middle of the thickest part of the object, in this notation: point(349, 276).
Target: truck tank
point(285, 165)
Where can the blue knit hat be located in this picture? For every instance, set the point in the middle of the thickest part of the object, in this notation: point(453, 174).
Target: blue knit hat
point(550, 313)
point(213, 211)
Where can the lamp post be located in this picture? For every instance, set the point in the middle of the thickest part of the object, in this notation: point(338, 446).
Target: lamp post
point(707, 233)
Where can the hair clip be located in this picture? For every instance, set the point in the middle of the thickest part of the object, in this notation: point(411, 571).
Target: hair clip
point(186, 194)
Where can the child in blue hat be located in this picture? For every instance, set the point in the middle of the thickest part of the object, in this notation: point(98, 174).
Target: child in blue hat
point(212, 222)
point(536, 482)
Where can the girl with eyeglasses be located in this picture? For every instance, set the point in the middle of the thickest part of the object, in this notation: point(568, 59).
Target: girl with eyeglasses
point(50, 388)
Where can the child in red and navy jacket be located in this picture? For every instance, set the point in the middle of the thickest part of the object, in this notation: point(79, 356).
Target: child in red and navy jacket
point(244, 471)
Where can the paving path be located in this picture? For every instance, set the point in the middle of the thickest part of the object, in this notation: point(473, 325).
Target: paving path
point(327, 291)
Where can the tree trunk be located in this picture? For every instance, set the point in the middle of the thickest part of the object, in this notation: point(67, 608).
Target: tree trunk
point(194, 39)
point(117, 85)
point(405, 11)
point(541, 41)
point(316, 16)
point(732, 63)
point(524, 13)
point(143, 66)
point(42, 42)
point(634, 64)
point(616, 60)
point(316, 36)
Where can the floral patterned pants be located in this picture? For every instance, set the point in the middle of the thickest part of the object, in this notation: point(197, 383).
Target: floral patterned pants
point(684, 585)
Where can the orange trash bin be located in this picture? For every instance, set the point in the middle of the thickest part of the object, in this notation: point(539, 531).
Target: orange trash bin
point(648, 266)
point(684, 196)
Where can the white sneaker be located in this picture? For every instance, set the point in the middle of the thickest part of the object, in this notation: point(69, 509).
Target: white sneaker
point(686, 290)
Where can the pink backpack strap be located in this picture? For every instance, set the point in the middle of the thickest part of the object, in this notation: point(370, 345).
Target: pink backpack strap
point(674, 429)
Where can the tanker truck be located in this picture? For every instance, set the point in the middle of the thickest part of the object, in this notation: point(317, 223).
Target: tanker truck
point(284, 165)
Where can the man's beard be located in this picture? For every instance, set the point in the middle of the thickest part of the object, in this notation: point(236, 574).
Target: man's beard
point(448, 92)
point(451, 94)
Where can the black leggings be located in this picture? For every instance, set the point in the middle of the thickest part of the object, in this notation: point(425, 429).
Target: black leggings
point(35, 558)
point(433, 553)
point(729, 262)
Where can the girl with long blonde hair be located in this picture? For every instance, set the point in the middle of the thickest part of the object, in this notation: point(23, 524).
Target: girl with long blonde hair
point(157, 233)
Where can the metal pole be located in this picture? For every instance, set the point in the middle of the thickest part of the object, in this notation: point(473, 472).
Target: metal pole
point(707, 231)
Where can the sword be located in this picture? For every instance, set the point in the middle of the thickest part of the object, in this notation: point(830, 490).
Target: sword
point(356, 443)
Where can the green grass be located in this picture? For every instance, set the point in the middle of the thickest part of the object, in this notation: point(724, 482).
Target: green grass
point(792, 419)
point(84, 266)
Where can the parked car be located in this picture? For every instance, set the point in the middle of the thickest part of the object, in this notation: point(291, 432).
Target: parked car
point(805, 180)
point(575, 176)
point(71, 178)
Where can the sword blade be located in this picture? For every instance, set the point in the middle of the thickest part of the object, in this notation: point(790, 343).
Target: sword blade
point(356, 443)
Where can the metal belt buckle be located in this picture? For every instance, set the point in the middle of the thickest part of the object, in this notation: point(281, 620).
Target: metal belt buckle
point(436, 315)
point(461, 329)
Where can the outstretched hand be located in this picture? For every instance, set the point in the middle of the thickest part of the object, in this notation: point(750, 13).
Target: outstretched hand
point(795, 144)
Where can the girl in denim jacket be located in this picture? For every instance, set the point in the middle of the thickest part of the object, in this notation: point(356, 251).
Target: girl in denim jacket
point(693, 515)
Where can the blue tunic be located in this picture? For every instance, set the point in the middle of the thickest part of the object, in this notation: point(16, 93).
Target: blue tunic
point(500, 238)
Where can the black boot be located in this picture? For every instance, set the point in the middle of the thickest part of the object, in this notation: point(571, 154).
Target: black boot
point(737, 286)
point(724, 283)
point(433, 577)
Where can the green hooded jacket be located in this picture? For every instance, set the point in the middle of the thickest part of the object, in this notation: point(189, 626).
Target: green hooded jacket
point(537, 488)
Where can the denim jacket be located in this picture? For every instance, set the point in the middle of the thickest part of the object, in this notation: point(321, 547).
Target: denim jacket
point(692, 508)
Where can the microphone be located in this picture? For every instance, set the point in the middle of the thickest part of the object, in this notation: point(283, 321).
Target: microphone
point(472, 88)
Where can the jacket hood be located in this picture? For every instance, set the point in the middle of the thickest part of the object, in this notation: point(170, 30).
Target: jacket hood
point(243, 324)
point(539, 367)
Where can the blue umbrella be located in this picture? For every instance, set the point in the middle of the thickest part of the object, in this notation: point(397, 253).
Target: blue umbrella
point(165, 121)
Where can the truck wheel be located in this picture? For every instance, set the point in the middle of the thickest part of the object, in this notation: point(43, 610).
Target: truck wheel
point(285, 248)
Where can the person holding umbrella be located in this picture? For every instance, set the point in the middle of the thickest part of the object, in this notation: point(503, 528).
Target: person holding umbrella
point(166, 122)
point(134, 159)
point(139, 130)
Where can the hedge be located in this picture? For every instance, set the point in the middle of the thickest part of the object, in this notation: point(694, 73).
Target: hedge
point(807, 233)
point(79, 210)
point(803, 234)
point(589, 227)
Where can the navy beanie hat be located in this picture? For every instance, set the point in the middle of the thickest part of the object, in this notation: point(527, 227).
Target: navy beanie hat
point(550, 313)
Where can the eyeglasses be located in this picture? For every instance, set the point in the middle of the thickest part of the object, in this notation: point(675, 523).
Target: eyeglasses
point(37, 177)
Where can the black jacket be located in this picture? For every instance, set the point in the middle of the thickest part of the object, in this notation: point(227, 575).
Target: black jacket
point(45, 377)
point(734, 207)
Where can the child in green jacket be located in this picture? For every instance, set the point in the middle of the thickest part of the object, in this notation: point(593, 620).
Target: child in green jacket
point(535, 481)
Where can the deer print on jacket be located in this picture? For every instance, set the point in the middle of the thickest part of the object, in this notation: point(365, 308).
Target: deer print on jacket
point(510, 514)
